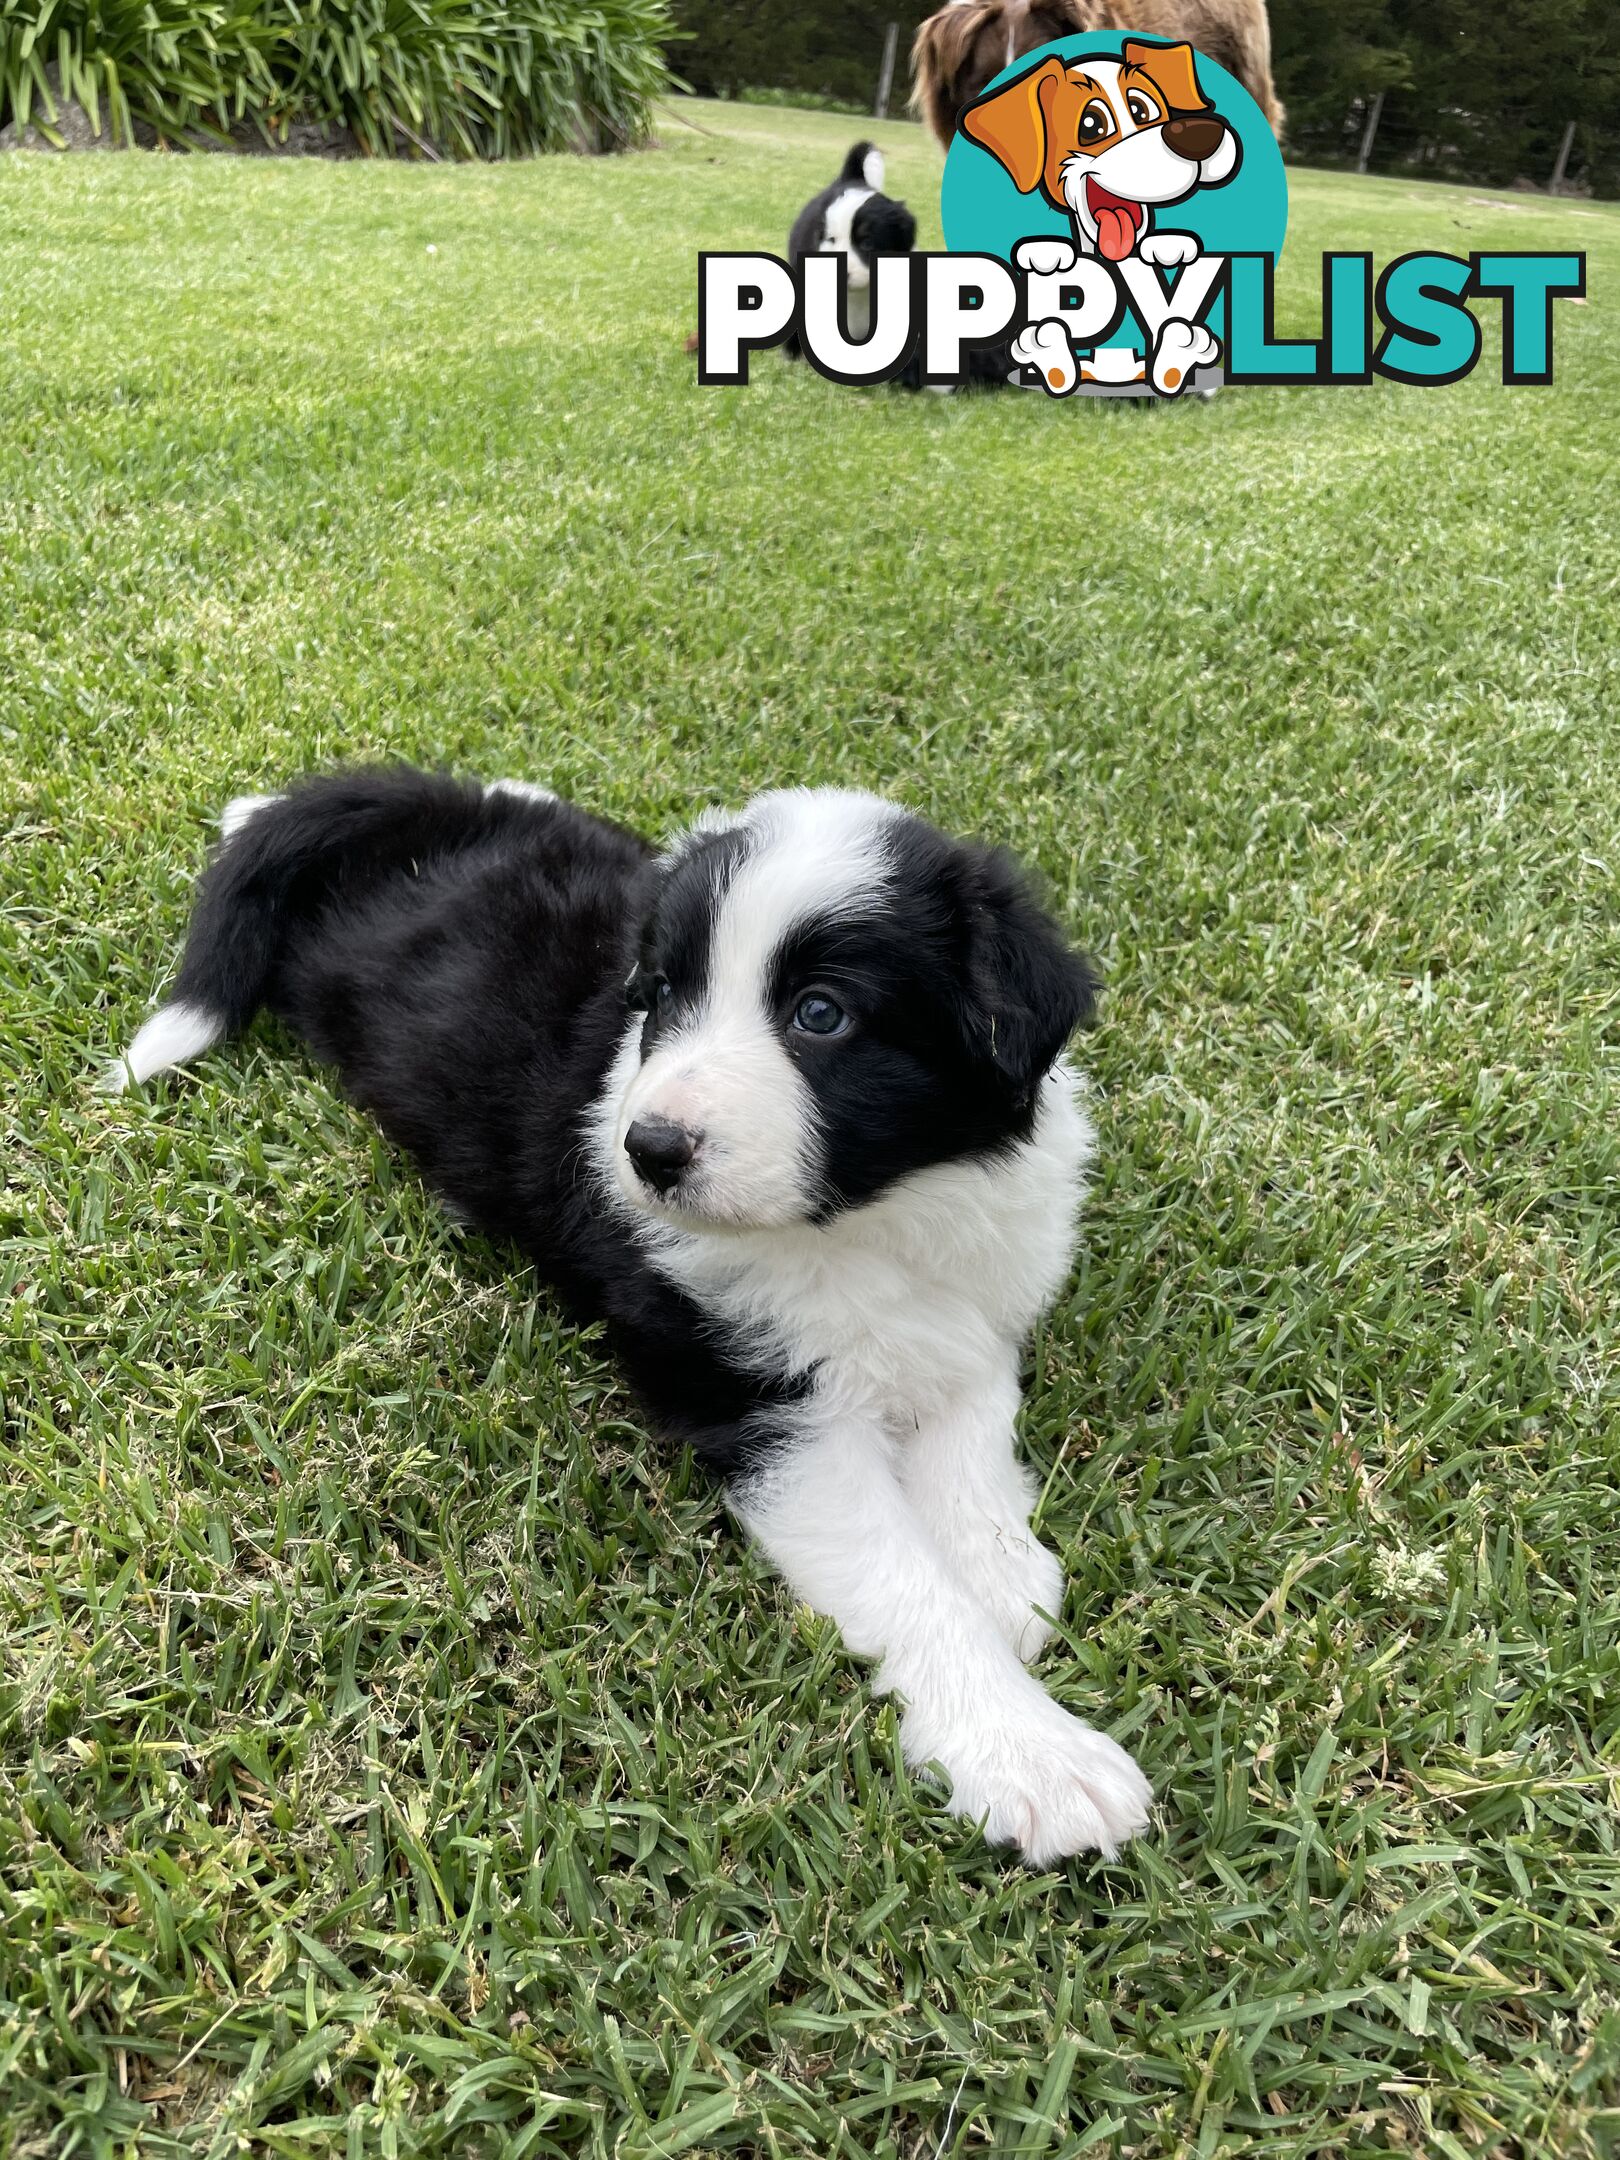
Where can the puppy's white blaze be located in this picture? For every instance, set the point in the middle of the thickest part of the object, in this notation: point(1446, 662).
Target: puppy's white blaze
point(173, 1036)
point(818, 852)
point(239, 809)
point(729, 1079)
point(872, 170)
point(726, 1073)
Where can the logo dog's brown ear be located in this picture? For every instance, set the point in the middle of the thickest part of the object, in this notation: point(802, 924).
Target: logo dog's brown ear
point(1173, 68)
point(1011, 124)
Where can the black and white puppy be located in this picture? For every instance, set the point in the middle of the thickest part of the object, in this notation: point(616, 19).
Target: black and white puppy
point(855, 219)
point(784, 1106)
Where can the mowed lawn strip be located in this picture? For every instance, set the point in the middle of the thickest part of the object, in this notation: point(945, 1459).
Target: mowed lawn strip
point(398, 1751)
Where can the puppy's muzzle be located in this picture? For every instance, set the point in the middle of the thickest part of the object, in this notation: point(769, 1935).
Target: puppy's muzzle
point(661, 1150)
point(1194, 136)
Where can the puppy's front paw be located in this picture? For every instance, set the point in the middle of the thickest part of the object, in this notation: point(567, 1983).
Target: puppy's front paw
point(1045, 258)
point(1036, 1778)
point(1181, 347)
point(1045, 347)
point(1168, 250)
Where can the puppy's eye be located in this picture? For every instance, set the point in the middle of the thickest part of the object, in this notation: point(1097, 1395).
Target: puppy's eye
point(663, 993)
point(1096, 122)
point(817, 1014)
point(1141, 109)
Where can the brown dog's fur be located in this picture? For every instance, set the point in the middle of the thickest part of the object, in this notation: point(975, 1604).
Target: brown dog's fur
point(960, 48)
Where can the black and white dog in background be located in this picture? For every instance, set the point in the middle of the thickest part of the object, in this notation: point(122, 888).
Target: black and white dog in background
point(855, 219)
point(785, 1107)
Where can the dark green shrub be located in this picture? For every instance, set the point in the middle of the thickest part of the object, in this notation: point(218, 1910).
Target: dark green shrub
point(174, 64)
point(473, 78)
point(483, 78)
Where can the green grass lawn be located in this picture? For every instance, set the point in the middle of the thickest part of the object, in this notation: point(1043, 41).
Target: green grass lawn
point(400, 1754)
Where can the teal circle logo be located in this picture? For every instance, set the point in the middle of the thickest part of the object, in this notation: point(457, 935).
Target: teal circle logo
point(1118, 177)
point(1104, 156)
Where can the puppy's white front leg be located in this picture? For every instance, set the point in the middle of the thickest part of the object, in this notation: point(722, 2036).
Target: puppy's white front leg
point(963, 1476)
point(828, 1509)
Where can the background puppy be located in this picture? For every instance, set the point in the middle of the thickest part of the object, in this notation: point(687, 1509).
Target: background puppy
point(855, 219)
point(958, 50)
point(783, 1107)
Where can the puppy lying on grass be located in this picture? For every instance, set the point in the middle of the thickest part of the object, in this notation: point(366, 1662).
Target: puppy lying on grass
point(785, 1107)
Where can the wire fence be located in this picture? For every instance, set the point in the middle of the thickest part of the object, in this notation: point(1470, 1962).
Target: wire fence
point(854, 58)
point(1511, 149)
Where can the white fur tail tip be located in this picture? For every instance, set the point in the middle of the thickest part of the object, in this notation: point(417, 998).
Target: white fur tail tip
point(523, 790)
point(872, 171)
point(239, 809)
point(173, 1036)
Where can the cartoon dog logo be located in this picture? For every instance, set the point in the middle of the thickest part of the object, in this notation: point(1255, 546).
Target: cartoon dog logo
point(1110, 142)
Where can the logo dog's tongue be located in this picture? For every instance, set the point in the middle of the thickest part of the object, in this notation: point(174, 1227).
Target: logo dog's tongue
point(1116, 223)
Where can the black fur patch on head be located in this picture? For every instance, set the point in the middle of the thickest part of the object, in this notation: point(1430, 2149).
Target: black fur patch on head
point(882, 226)
point(1027, 988)
point(959, 992)
point(672, 969)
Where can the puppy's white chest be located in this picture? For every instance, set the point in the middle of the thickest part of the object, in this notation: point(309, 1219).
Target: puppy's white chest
point(903, 1304)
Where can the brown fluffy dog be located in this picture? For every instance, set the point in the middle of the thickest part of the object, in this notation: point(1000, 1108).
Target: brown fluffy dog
point(958, 50)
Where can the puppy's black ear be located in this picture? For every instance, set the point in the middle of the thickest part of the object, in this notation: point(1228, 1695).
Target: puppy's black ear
point(1027, 988)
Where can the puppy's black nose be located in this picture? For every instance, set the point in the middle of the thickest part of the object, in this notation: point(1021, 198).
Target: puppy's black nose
point(660, 1150)
point(1194, 135)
